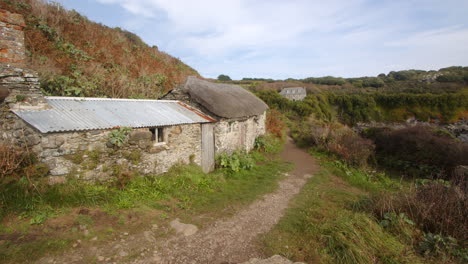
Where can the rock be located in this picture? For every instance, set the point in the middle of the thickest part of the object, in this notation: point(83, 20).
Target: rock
point(59, 171)
point(185, 229)
point(123, 253)
point(158, 148)
point(100, 258)
point(122, 162)
point(276, 259)
point(149, 236)
point(32, 140)
point(52, 180)
point(138, 135)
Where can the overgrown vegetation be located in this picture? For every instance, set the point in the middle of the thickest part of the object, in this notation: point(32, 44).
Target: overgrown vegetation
point(418, 152)
point(77, 57)
point(338, 220)
point(118, 137)
point(369, 217)
point(353, 108)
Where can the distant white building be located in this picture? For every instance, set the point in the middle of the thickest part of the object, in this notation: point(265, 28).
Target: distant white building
point(294, 93)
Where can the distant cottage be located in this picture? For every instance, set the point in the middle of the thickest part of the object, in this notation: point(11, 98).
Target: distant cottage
point(73, 136)
point(294, 93)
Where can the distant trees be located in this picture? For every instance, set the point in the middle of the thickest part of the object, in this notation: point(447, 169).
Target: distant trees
point(224, 78)
point(327, 80)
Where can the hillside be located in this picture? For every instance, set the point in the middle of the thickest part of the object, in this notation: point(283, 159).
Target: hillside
point(77, 57)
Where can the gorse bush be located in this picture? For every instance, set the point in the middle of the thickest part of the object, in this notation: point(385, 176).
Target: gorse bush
point(420, 152)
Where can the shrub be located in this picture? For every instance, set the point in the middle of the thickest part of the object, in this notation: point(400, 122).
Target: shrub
point(10, 161)
point(418, 151)
point(275, 124)
point(352, 148)
point(434, 206)
point(436, 245)
point(334, 138)
point(235, 162)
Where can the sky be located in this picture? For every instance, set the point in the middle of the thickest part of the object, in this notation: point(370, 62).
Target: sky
point(282, 39)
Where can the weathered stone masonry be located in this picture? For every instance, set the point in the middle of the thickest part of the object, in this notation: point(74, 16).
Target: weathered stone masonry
point(89, 156)
point(238, 134)
point(12, 40)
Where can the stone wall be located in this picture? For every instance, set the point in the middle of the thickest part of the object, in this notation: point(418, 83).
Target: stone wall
point(238, 134)
point(89, 155)
point(18, 85)
point(12, 51)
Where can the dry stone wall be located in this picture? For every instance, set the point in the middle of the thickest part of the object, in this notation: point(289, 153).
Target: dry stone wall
point(231, 135)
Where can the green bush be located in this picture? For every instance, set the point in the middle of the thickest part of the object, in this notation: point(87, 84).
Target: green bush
point(238, 160)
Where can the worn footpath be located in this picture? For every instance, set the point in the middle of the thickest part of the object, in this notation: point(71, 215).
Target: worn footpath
point(230, 240)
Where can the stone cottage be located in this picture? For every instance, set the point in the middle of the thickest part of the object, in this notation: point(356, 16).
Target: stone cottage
point(97, 138)
point(240, 115)
point(294, 93)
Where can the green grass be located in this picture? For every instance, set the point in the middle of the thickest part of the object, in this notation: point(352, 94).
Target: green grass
point(321, 226)
point(11, 252)
point(185, 191)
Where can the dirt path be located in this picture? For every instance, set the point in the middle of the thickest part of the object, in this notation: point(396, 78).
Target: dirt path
point(229, 240)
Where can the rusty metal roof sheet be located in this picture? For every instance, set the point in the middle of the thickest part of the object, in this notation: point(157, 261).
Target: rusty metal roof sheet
point(77, 114)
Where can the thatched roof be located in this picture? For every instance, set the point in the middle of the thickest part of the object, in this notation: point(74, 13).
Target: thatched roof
point(224, 100)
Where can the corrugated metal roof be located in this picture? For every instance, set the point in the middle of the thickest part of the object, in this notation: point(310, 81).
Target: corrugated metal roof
point(77, 113)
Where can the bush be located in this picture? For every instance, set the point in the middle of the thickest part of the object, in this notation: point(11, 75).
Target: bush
point(275, 124)
point(10, 161)
point(435, 207)
point(419, 151)
point(235, 162)
point(334, 138)
point(352, 148)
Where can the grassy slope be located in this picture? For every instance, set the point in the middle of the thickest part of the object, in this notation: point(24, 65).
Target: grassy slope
point(325, 225)
point(75, 56)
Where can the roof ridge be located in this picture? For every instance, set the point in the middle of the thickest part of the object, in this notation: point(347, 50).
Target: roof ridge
point(107, 99)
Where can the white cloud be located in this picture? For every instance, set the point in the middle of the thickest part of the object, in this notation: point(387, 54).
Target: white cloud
point(301, 38)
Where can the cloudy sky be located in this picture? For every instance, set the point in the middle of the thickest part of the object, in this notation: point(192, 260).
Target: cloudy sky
point(294, 38)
